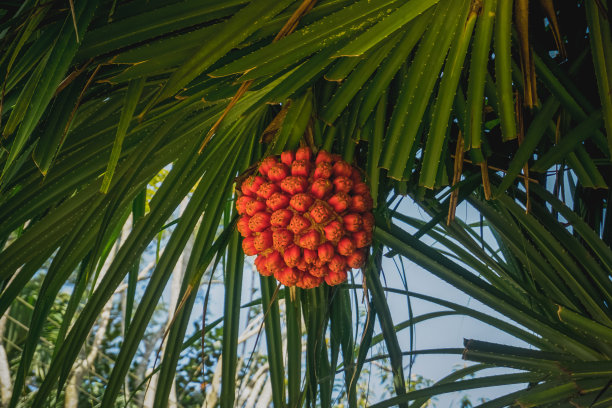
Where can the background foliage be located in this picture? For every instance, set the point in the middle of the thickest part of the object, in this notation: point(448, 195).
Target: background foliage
point(101, 98)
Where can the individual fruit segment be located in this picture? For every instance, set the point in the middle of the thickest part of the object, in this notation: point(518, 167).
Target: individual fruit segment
point(310, 240)
point(251, 185)
point(292, 255)
point(323, 170)
point(302, 265)
point(310, 256)
point(300, 168)
point(339, 202)
point(301, 202)
point(303, 153)
point(357, 259)
point(266, 189)
point(337, 263)
point(346, 246)
point(352, 222)
point(288, 276)
point(255, 206)
point(282, 238)
point(360, 203)
point(265, 165)
point(325, 252)
point(248, 247)
point(294, 185)
point(323, 157)
point(287, 158)
point(263, 240)
point(333, 231)
point(298, 224)
point(281, 218)
point(278, 171)
point(342, 168)
point(243, 226)
point(277, 201)
point(320, 188)
point(362, 238)
point(343, 184)
point(306, 217)
point(241, 204)
point(368, 221)
point(319, 271)
point(361, 188)
point(335, 278)
point(320, 213)
point(275, 262)
point(259, 221)
point(261, 265)
point(308, 281)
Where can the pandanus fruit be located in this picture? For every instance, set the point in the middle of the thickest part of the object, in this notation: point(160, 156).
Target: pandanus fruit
point(306, 217)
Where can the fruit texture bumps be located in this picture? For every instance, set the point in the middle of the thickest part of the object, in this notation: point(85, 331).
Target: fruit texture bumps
point(307, 218)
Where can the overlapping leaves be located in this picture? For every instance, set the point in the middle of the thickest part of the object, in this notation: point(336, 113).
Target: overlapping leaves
point(89, 119)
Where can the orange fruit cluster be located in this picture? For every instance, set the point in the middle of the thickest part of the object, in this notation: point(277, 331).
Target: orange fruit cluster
point(307, 219)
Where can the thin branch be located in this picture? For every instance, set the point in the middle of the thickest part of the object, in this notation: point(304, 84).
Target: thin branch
point(498, 169)
point(76, 30)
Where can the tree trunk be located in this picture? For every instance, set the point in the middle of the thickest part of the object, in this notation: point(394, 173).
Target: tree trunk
point(71, 399)
point(175, 291)
point(250, 393)
point(265, 398)
point(80, 367)
point(212, 397)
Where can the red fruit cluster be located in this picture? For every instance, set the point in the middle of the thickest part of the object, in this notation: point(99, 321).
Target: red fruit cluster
point(307, 219)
